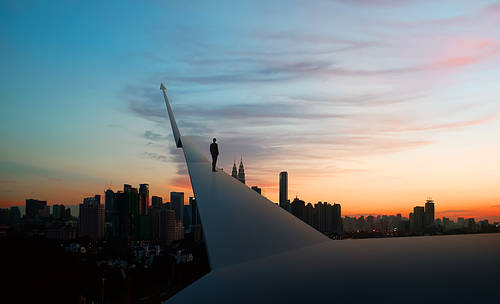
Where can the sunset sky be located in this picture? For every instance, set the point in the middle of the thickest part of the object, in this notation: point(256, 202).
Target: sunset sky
point(376, 105)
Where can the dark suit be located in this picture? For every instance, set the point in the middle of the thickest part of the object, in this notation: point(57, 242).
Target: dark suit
point(214, 150)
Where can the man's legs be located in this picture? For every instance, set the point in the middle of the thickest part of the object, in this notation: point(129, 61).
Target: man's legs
point(214, 161)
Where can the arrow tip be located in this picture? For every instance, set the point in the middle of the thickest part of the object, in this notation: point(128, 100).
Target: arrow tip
point(162, 87)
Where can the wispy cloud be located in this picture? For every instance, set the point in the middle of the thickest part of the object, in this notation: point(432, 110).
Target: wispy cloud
point(156, 156)
point(452, 125)
point(151, 135)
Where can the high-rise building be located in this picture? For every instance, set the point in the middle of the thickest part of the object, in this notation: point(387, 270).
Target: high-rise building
point(283, 190)
point(241, 172)
point(171, 229)
point(309, 214)
point(155, 218)
point(411, 222)
point(418, 219)
point(163, 227)
point(298, 207)
point(336, 227)
point(177, 204)
point(257, 189)
point(429, 213)
point(58, 211)
point(14, 216)
point(156, 201)
point(187, 220)
point(35, 208)
point(143, 199)
point(125, 213)
point(321, 217)
point(108, 204)
point(91, 222)
point(4, 217)
point(195, 215)
point(234, 173)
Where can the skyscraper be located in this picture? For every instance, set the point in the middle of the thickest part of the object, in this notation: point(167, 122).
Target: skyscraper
point(156, 201)
point(14, 216)
point(336, 219)
point(177, 204)
point(321, 217)
point(241, 172)
point(143, 199)
point(195, 216)
point(418, 219)
point(429, 213)
point(125, 214)
point(187, 220)
point(34, 208)
point(92, 218)
point(283, 189)
point(298, 207)
point(58, 211)
point(155, 218)
point(108, 204)
point(234, 173)
point(174, 228)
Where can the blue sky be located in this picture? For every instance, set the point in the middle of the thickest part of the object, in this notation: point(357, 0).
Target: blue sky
point(342, 94)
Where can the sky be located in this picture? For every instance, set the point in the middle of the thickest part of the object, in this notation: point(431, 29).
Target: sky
point(376, 105)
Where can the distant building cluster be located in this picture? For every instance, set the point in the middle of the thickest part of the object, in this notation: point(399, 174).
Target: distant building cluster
point(132, 215)
point(420, 222)
point(125, 215)
point(324, 217)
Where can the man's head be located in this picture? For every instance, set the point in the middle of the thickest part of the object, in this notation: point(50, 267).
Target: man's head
point(214, 140)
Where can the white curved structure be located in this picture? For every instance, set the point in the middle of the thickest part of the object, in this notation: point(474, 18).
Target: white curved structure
point(260, 253)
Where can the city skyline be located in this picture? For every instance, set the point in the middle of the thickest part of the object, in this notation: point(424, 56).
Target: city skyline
point(186, 199)
point(303, 96)
point(287, 205)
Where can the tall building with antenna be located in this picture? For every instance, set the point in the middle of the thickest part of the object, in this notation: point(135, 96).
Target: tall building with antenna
point(241, 172)
point(235, 172)
point(283, 200)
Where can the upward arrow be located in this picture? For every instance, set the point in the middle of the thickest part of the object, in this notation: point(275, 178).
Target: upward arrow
point(175, 130)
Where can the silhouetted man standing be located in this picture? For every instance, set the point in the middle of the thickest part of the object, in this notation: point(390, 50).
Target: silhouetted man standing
point(214, 150)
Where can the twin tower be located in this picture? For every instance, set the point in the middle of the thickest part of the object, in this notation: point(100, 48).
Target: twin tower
point(240, 175)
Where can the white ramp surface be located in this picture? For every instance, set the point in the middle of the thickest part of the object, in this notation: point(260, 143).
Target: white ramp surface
point(238, 223)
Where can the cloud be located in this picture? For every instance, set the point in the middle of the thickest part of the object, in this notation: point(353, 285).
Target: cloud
point(151, 135)
point(451, 125)
point(316, 44)
point(286, 71)
point(156, 156)
point(364, 100)
point(492, 10)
